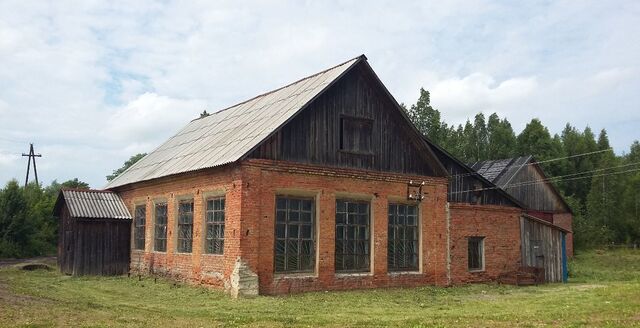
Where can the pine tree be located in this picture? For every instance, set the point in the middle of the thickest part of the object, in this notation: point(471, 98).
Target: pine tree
point(502, 139)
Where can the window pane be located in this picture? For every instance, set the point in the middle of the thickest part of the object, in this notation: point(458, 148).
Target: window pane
point(185, 226)
point(294, 245)
point(402, 233)
point(352, 236)
point(215, 225)
point(139, 227)
point(160, 235)
point(475, 253)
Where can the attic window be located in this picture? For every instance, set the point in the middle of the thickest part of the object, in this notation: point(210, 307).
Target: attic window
point(355, 135)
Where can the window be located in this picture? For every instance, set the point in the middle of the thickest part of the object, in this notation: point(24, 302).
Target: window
point(352, 236)
point(402, 247)
point(295, 237)
point(476, 253)
point(355, 134)
point(138, 231)
point(160, 233)
point(185, 226)
point(214, 243)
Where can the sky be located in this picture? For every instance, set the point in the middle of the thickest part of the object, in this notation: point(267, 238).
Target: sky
point(91, 83)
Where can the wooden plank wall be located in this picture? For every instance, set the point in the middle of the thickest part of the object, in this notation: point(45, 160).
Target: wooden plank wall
point(313, 137)
point(536, 196)
point(93, 246)
point(551, 242)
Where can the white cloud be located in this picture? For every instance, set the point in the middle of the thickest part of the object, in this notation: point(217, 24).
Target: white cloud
point(149, 119)
point(91, 83)
point(480, 92)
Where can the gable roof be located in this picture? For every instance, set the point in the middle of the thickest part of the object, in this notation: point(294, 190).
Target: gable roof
point(92, 204)
point(501, 171)
point(227, 135)
point(442, 153)
point(232, 133)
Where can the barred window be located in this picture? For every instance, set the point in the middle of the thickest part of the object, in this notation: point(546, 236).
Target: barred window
point(476, 253)
point(160, 232)
point(402, 248)
point(185, 226)
point(139, 223)
point(214, 243)
point(352, 236)
point(295, 237)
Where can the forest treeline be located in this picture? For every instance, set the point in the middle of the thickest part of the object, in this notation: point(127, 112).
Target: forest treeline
point(602, 188)
point(27, 225)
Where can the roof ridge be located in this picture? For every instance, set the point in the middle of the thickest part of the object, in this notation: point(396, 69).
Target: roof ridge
point(285, 86)
point(87, 190)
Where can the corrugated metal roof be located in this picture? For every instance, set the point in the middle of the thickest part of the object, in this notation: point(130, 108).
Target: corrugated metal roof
point(95, 204)
point(226, 136)
point(500, 171)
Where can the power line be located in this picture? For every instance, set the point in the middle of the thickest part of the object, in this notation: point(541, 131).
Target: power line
point(31, 156)
point(579, 173)
point(566, 177)
point(540, 162)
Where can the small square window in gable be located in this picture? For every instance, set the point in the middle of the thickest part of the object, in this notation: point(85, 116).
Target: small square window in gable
point(356, 134)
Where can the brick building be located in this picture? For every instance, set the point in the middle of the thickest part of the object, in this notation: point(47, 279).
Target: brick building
point(323, 184)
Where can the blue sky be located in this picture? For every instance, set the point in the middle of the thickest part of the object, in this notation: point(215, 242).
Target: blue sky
point(91, 83)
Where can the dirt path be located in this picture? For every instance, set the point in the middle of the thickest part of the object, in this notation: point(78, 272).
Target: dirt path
point(50, 260)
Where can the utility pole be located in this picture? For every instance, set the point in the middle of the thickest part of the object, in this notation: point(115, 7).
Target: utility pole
point(33, 156)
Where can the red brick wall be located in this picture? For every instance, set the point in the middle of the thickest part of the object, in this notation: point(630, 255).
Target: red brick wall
point(250, 190)
point(501, 228)
point(263, 180)
point(196, 266)
point(565, 220)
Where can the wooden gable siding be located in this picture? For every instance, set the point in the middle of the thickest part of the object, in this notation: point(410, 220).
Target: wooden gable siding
point(463, 180)
point(540, 196)
point(462, 183)
point(313, 137)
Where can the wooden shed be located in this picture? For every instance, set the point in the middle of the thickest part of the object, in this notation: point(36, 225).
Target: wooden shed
point(94, 233)
point(523, 178)
point(543, 245)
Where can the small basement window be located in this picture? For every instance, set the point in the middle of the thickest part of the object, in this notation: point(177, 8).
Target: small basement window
point(160, 235)
point(139, 224)
point(476, 253)
point(185, 226)
point(355, 135)
point(215, 226)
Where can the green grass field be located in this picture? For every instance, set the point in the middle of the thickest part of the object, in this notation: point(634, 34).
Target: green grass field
point(604, 291)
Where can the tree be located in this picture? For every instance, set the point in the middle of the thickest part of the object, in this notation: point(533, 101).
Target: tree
point(480, 137)
point(576, 145)
point(427, 119)
point(468, 143)
point(15, 228)
point(502, 140)
point(126, 165)
point(535, 140)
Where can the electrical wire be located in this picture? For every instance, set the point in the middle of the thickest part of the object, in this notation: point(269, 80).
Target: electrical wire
point(540, 162)
point(566, 177)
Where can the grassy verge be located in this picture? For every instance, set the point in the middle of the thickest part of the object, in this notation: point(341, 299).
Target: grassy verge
point(605, 291)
